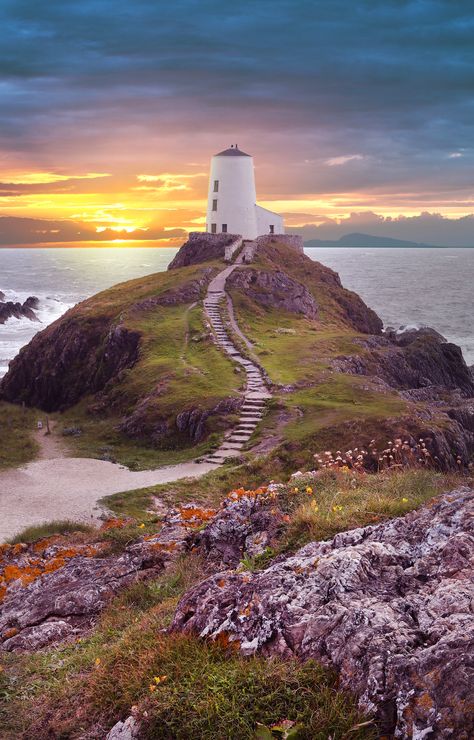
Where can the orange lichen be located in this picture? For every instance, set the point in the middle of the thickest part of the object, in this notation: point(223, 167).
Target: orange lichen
point(115, 523)
point(190, 512)
point(10, 633)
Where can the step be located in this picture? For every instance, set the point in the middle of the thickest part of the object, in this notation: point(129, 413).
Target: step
point(231, 446)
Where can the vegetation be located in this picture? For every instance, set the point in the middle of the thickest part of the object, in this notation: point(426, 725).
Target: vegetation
point(40, 531)
point(17, 443)
point(181, 687)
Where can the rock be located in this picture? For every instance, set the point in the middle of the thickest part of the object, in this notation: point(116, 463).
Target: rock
point(2, 295)
point(65, 360)
point(246, 525)
point(128, 730)
point(275, 289)
point(32, 302)
point(405, 336)
point(38, 636)
point(52, 590)
point(9, 310)
point(202, 247)
point(390, 606)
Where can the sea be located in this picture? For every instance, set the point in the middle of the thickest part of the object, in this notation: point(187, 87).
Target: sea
point(406, 287)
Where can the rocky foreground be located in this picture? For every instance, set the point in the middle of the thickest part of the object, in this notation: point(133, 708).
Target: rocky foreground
point(389, 605)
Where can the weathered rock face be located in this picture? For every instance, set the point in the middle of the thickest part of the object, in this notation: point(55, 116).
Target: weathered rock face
point(245, 525)
point(53, 590)
point(275, 289)
point(54, 370)
point(202, 247)
point(10, 309)
point(390, 606)
point(426, 360)
point(190, 424)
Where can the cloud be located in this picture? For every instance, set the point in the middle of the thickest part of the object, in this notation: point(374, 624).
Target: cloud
point(427, 228)
point(337, 161)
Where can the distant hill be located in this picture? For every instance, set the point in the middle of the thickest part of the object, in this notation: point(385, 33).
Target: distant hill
point(362, 240)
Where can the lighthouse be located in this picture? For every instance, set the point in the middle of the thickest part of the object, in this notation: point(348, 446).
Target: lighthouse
point(232, 201)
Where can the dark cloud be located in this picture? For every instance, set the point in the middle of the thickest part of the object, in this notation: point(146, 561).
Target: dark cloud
point(298, 81)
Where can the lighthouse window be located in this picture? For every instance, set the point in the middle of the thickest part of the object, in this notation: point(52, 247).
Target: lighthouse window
point(224, 228)
point(213, 228)
point(216, 186)
point(214, 205)
point(272, 229)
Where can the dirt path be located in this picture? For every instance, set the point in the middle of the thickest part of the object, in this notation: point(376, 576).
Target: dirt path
point(50, 446)
point(69, 488)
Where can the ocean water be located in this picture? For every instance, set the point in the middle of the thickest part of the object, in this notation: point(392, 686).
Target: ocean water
point(406, 287)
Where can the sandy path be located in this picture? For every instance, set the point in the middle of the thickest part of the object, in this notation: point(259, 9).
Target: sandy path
point(69, 488)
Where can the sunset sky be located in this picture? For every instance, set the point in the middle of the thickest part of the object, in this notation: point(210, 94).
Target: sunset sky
point(359, 114)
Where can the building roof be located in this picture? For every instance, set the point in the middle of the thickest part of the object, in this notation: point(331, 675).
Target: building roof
point(233, 151)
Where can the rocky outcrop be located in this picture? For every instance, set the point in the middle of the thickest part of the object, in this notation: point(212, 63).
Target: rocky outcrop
point(423, 361)
point(190, 424)
point(274, 289)
point(67, 360)
point(390, 606)
point(202, 247)
point(54, 589)
point(16, 310)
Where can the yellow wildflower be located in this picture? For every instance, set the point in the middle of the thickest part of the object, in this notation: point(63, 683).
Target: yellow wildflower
point(159, 679)
point(152, 687)
point(314, 505)
point(141, 526)
point(295, 490)
point(405, 500)
point(309, 489)
point(337, 507)
point(97, 661)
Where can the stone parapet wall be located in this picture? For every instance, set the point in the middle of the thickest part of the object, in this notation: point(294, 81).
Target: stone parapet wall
point(231, 249)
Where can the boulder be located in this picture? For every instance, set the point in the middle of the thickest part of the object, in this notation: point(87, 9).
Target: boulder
point(390, 606)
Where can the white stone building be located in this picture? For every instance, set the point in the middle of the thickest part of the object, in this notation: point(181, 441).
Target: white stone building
point(232, 205)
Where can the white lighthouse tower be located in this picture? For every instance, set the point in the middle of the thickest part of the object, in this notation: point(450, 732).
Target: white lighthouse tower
point(232, 205)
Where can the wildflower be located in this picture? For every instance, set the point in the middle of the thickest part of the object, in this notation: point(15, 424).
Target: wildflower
point(97, 661)
point(152, 687)
point(159, 679)
point(404, 500)
point(295, 490)
point(314, 506)
point(345, 469)
point(141, 526)
point(309, 489)
point(337, 507)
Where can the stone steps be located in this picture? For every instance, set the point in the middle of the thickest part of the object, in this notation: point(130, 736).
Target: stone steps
point(256, 394)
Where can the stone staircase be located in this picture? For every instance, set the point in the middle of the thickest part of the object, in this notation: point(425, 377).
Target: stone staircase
point(256, 392)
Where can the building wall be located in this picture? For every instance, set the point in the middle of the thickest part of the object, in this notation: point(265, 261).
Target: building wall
point(235, 198)
point(266, 218)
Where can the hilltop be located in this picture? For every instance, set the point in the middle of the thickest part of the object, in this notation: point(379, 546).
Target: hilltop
point(136, 373)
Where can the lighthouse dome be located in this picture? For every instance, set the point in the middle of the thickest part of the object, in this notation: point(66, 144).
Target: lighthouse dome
point(233, 151)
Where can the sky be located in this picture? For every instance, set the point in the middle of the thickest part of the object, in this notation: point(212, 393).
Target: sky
point(359, 115)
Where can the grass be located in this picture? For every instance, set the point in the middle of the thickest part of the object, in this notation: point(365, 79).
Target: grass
point(17, 443)
point(179, 369)
point(40, 531)
point(343, 501)
point(210, 692)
